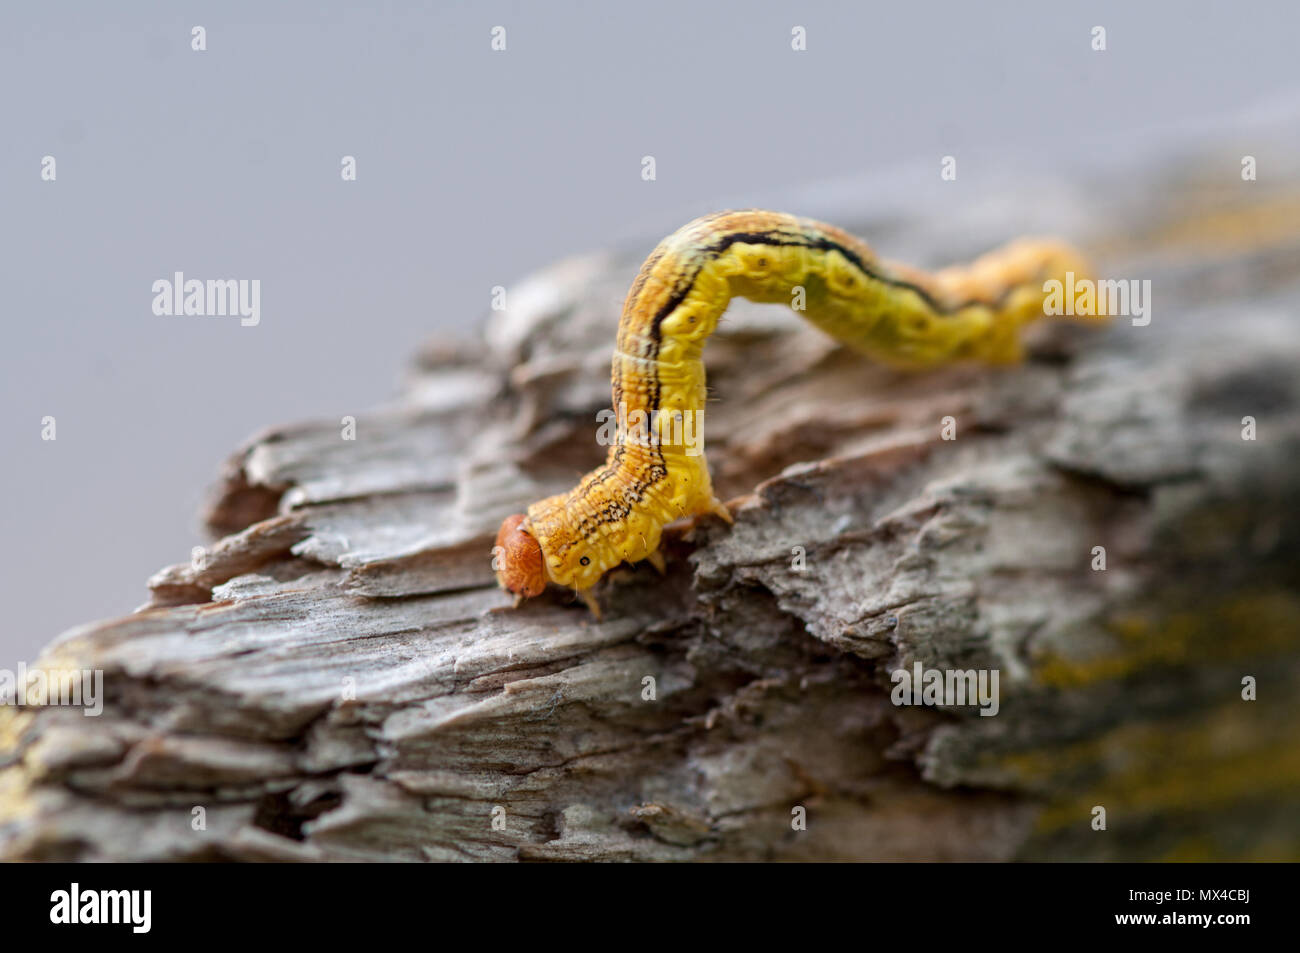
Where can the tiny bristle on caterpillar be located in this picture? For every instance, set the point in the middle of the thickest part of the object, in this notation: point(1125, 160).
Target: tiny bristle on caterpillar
point(891, 312)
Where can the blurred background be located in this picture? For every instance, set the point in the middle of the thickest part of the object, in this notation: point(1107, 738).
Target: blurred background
point(473, 167)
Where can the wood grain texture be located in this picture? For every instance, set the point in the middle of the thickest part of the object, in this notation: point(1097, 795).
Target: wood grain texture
point(336, 678)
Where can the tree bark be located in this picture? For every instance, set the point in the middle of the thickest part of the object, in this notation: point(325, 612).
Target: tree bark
point(337, 677)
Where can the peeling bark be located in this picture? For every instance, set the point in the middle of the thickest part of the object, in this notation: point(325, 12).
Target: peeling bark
point(338, 678)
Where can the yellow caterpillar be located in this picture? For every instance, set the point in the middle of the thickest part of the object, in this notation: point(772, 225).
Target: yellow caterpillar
point(891, 312)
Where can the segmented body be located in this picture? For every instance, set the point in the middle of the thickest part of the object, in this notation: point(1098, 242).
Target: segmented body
point(893, 313)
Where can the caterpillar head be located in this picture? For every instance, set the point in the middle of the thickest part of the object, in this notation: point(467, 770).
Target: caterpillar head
point(520, 567)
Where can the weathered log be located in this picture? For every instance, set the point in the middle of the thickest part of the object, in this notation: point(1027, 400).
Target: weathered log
point(338, 677)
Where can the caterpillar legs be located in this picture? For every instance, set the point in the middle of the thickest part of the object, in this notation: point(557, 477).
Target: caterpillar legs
point(719, 509)
point(589, 598)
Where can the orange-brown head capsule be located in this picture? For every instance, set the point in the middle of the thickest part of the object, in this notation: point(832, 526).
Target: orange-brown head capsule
point(518, 558)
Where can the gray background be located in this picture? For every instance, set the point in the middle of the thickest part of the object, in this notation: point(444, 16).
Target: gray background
point(474, 167)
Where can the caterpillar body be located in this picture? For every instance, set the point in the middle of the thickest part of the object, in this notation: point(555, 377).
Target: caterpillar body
point(891, 312)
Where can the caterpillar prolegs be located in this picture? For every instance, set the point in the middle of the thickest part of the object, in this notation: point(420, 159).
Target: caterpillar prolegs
point(900, 315)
